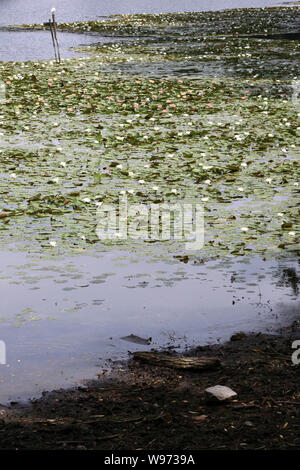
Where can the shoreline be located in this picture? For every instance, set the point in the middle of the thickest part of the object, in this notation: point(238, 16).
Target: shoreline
point(146, 407)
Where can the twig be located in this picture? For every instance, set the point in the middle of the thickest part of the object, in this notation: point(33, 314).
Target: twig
point(104, 438)
point(117, 421)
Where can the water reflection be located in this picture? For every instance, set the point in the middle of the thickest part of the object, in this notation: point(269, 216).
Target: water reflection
point(37, 45)
point(289, 277)
point(69, 315)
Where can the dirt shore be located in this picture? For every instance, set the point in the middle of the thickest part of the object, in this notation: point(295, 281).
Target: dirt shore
point(156, 408)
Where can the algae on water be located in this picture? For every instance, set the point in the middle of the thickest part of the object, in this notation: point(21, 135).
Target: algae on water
point(178, 106)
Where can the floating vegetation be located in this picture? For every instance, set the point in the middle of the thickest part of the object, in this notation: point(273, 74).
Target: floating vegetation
point(190, 106)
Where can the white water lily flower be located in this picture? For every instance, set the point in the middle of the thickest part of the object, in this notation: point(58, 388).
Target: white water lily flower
point(13, 175)
point(83, 237)
point(296, 184)
point(155, 188)
point(244, 165)
point(141, 181)
point(244, 229)
point(204, 199)
point(58, 149)
point(86, 199)
point(119, 166)
point(174, 191)
point(52, 243)
point(280, 214)
point(55, 180)
point(292, 234)
point(240, 188)
point(207, 182)
point(130, 173)
point(131, 191)
point(63, 164)
point(269, 180)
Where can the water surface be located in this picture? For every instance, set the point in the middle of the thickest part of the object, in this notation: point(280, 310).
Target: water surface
point(37, 45)
point(62, 320)
point(37, 11)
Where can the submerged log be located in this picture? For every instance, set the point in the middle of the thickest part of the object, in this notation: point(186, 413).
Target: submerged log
point(191, 363)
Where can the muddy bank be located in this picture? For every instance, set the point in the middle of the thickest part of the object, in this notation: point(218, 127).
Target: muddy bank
point(151, 408)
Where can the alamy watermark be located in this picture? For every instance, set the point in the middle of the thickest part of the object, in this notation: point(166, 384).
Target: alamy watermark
point(296, 354)
point(180, 221)
point(2, 352)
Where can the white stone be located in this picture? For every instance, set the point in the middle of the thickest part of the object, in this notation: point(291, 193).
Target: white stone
point(220, 392)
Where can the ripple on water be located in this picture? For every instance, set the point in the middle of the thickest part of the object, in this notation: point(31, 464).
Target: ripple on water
point(69, 315)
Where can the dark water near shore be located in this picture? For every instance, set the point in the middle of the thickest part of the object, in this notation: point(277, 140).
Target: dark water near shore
point(69, 315)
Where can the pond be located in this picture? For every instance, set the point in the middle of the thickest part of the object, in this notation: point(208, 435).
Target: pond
point(82, 133)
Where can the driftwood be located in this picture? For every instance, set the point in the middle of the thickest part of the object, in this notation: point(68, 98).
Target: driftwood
point(191, 363)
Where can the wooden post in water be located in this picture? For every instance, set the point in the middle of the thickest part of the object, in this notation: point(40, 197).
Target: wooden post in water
point(55, 33)
point(53, 40)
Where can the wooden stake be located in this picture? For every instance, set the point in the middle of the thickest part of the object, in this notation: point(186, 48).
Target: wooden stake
point(53, 41)
point(55, 35)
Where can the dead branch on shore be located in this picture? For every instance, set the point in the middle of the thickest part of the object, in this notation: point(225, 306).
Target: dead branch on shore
point(191, 363)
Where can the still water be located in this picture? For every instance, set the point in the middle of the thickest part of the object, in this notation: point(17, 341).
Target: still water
point(37, 11)
point(37, 45)
point(62, 320)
